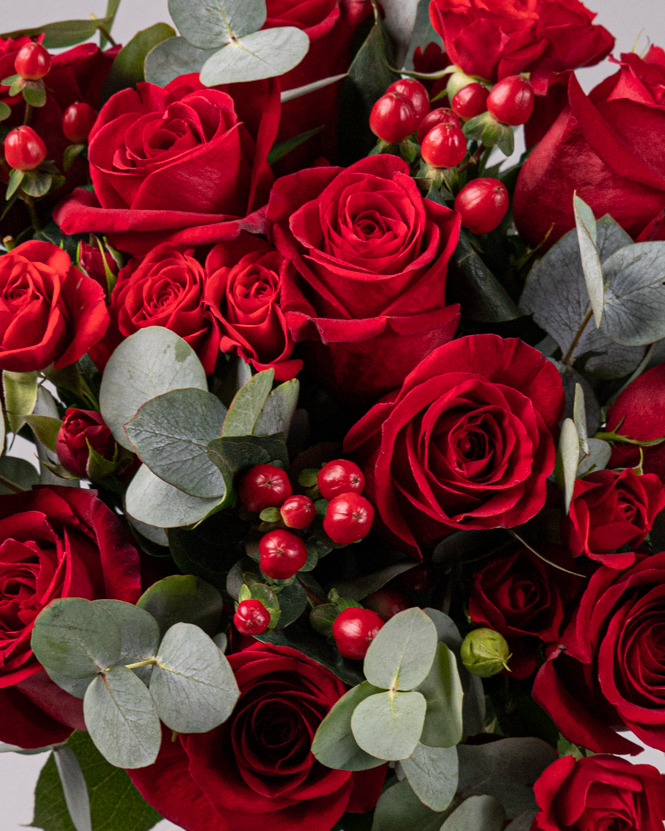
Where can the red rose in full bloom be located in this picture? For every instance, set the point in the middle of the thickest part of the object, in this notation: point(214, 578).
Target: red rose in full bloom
point(599, 792)
point(612, 509)
point(242, 294)
point(49, 311)
point(465, 443)
point(525, 599)
point(54, 542)
point(256, 772)
point(371, 256)
point(184, 164)
point(605, 146)
point(607, 672)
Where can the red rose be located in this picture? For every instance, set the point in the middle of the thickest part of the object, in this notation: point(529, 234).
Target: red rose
point(49, 311)
point(371, 256)
point(525, 599)
point(82, 430)
point(54, 542)
point(257, 772)
point(612, 509)
point(506, 37)
point(605, 146)
point(242, 294)
point(165, 288)
point(607, 672)
point(599, 792)
point(185, 164)
point(465, 443)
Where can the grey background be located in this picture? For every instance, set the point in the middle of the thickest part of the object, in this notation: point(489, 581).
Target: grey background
point(640, 21)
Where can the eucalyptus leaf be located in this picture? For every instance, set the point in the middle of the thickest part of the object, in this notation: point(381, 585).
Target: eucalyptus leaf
point(399, 808)
point(264, 54)
point(173, 57)
point(315, 86)
point(209, 25)
point(148, 363)
point(599, 456)
point(128, 67)
point(478, 813)
point(423, 34)
point(433, 773)
point(277, 413)
point(139, 632)
point(74, 686)
point(122, 720)
point(151, 500)
point(401, 655)
point(232, 454)
point(247, 405)
point(444, 695)
point(182, 598)
point(569, 450)
point(400, 20)
point(579, 417)
point(388, 725)
point(193, 685)
point(523, 822)
point(74, 788)
point(591, 265)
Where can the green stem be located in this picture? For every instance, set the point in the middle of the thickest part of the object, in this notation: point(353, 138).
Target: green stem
point(145, 663)
point(32, 210)
point(568, 357)
point(106, 34)
point(28, 114)
point(12, 486)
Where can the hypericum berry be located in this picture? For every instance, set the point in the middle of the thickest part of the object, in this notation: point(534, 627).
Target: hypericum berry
point(340, 476)
point(298, 511)
point(444, 146)
point(415, 92)
point(77, 121)
point(32, 62)
point(482, 204)
point(511, 100)
point(251, 617)
point(441, 115)
point(348, 518)
point(354, 630)
point(470, 101)
point(24, 149)
point(264, 486)
point(393, 117)
point(282, 554)
point(386, 602)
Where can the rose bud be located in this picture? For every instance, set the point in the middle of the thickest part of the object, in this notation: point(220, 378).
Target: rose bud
point(485, 653)
point(81, 432)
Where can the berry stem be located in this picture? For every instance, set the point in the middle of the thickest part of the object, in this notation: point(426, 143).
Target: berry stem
point(27, 115)
point(32, 210)
point(474, 159)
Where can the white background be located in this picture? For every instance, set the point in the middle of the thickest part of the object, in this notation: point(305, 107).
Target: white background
point(639, 20)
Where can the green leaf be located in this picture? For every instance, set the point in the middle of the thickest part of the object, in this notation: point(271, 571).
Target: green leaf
point(236, 453)
point(192, 684)
point(443, 692)
point(401, 655)
point(75, 790)
point(151, 500)
point(388, 725)
point(591, 266)
point(599, 456)
point(283, 148)
point(259, 591)
point(264, 54)
point(182, 598)
point(5, 111)
point(423, 32)
point(113, 797)
point(139, 632)
point(45, 428)
point(20, 390)
point(298, 92)
point(277, 412)
point(97, 467)
point(360, 587)
point(74, 686)
point(247, 404)
point(122, 720)
point(569, 452)
point(15, 179)
point(72, 151)
point(172, 58)
point(432, 773)
point(128, 67)
point(147, 364)
point(36, 183)
point(479, 813)
point(60, 34)
point(334, 744)
point(19, 471)
point(170, 434)
point(399, 808)
point(76, 638)
point(579, 417)
point(34, 94)
point(292, 603)
point(209, 25)
point(322, 618)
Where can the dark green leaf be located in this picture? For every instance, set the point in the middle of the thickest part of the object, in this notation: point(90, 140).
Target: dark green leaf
point(388, 725)
point(19, 472)
point(292, 603)
point(128, 66)
point(210, 549)
point(15, 179)
point(237, 453)
point(360, 587)
point(282, 149)
point(183, 599)
point(36, 183)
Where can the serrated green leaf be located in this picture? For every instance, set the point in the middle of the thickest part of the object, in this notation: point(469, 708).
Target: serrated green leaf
point(585, 223)
point(443, 692)
point(183, 598)
point(209, 25)
point(388, 725)
point(433, 773)
point(401, 655)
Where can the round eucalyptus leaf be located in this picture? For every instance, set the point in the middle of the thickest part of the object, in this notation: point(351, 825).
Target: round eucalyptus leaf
point(74, 686)
point(401, 655)
point(478, 813)
point(140, 634)
point(444, 695)
point(245, 409)
point(433, 773)
point(182, 598)
point(208, 25)
point(388, 725)
point(172, 58)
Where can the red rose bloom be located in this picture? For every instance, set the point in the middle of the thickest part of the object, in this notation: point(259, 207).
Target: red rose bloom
point(371, 256)
point(242, 294)
point(607, 672)
point(610, 509)
point(524, 598)
point(599, 792)
point(80, 431)
point(465, 443)
point(605, 146)
point(54, 542)
point(49, 311)
point(185, 164)
point(256, 772)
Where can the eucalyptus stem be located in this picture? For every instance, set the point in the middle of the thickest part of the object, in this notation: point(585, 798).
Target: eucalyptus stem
point(568, 357)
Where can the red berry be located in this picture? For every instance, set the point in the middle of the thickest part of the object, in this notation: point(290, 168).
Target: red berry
point(511, 100)
point(441, 115)
point(470, 101)
point(415, 92)
point(24, 149)
point(386, 603)
point(32, 62)
point(340, 476)
point(264, 486)
point(482, 204)
point(354, 630)
point(282, 554)
point(444, 146)
point(77, 121)
point(298, 511)
point(251, 617)
point(348, 518)
point(393, 117)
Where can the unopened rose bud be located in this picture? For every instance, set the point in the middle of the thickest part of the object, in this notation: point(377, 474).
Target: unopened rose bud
point(485, 653)
point(81, 432)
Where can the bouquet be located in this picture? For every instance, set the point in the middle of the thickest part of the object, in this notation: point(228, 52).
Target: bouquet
point(347, 508)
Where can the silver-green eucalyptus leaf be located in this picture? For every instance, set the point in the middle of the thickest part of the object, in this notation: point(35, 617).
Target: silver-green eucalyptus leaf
point(264, 54)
